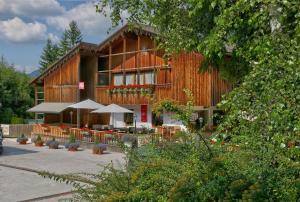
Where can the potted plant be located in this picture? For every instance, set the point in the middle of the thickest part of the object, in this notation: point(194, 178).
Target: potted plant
point(72, 145)
point(99, 148)
point(38, 141)
point(129, 141)
point(52, 144)
point(22, 139)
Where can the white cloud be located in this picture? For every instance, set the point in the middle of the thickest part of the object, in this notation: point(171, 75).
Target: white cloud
point(16, 30)
point(89, 21)
point(53, 38)
point(25, 68)
point(32, 8)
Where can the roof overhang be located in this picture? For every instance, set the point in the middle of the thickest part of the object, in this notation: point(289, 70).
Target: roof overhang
point(82, 46)
point(50, 107)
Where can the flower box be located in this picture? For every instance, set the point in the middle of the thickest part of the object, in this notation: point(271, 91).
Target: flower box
point(131, 89)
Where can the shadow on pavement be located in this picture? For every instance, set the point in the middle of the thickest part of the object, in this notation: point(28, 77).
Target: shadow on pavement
point(11, 151)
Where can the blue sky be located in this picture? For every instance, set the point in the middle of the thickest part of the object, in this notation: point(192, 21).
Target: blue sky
point(25, 26)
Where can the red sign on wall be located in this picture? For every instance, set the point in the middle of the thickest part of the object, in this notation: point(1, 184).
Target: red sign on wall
point(144, 113)
point(81, 85)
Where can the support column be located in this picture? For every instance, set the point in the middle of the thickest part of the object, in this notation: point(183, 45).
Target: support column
point(109, 64)
point(124, 59)
point(78, 93)
point(35, 99)
point(210, 122)
point(138, 58)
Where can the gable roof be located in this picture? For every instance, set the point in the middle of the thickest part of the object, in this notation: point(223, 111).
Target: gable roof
point(135, 28)
point(65, 58)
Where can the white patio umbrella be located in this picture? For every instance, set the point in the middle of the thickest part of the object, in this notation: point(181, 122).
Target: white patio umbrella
point(112, 109)
point(86, 104)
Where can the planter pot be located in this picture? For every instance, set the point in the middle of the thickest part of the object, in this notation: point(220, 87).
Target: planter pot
point(23, 142)
point(72, 149)
point(98, 151)
point(39, 144)
point(53, 147)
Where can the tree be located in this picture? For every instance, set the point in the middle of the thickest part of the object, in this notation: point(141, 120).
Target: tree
point(70, 38)
point(253, 44)
point(49, 55)
point(16, 94)
point(74, 34)
point(189, 168)
point(64, 44)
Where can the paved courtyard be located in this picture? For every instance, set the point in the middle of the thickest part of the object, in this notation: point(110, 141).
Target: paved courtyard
point(19, 183)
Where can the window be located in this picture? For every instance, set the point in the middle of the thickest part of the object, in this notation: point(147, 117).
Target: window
point(128, 118)
point(118, 79)
point(103, 79)
point(129, 79)
point(149, 78)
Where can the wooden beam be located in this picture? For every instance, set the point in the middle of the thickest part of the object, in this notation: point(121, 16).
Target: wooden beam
point(124, 60)
point(60, 83)
point(109, 64)
point(138, 58)
point(35, 98)
point(155, 72)
point(128, 52)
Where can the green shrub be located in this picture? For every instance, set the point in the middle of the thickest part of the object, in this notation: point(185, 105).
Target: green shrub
point(17, 120)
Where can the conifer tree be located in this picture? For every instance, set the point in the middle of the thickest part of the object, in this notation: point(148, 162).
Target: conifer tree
point(49, 55)
point(74, 34)
point(70, 38)
point(64, 44)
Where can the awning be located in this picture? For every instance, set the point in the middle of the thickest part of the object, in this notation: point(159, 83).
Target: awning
point(112, 108)
point(50, 107)
point(86, 104)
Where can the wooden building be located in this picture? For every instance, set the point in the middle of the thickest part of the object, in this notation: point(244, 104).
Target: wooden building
point(127, 69)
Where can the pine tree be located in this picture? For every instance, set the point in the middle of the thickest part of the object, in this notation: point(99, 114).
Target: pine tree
point(74, 34)
point(64, 44)
point(49, 55)
point(70, 38)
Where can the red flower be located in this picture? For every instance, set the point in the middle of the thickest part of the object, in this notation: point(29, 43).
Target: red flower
point(64, 126)
point(85, 129)
point(44, 125)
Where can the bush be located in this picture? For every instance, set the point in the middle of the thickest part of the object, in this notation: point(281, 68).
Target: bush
point(17, 120)
point(52, 144)
point(72, 145)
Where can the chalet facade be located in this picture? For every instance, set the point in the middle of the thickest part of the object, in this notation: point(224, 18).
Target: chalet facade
point(127, 69)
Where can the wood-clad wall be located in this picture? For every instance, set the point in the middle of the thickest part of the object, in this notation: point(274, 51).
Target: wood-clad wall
point(183, 73)
point(62, 84)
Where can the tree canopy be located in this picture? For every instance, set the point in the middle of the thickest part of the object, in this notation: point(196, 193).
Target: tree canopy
point(49, 55)
point(16, 95)
point(255, 153)
point(52, 52)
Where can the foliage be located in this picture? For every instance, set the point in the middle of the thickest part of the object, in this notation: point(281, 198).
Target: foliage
point(22, 138)
point(16, 95)
point(52, 52)
point(216, 28)
point(190, 169)
point(74, 34)
point(72, 144)
point(256, 157)
point(49, 55)
point(52, 144)
point(17, 120)
point(38, 140)
point(70, 38)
